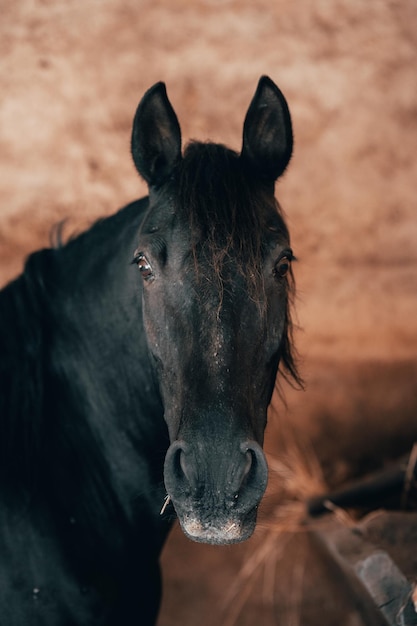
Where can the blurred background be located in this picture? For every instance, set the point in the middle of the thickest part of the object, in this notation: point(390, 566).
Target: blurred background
point(71, 75)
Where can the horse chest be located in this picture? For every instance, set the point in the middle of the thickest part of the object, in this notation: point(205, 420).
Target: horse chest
point(41, 585)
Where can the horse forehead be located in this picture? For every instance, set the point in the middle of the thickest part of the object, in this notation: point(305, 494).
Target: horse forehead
point(224, 315)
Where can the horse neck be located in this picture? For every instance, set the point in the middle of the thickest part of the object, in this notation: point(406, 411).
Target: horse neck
point(99, 364)
point(83, 396)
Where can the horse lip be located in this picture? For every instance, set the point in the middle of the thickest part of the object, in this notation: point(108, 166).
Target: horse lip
point(228, 532)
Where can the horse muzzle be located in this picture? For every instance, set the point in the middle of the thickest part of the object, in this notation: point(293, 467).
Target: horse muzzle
point(216, 494)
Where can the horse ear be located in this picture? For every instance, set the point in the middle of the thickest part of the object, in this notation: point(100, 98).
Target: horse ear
point(267, 131)
point(156, 136)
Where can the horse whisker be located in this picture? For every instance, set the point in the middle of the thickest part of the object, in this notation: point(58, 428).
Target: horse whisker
point(167, 500)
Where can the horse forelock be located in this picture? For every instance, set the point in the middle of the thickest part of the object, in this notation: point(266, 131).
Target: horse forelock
point(228, 210)
point(224, 210)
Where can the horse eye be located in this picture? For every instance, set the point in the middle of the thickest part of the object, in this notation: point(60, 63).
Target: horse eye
point(282, 267)
point(144, 266)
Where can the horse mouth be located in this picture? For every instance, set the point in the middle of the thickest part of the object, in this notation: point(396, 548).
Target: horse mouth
point(227, 532)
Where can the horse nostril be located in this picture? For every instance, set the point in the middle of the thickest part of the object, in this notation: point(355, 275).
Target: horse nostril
point(254, 475)
point(183, 468)
point(178, 463)
point(178, 474)
point(248, 465)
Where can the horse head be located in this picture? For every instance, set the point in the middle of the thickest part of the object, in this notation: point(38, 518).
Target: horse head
point(214, 259)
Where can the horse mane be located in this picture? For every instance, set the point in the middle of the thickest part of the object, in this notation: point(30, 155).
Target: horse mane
point(225, 206)
point(22, 355)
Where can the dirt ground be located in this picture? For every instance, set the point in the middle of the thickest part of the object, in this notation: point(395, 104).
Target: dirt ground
point(71, 74)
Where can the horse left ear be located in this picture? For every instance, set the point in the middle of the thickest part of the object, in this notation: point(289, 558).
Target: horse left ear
point(156, 136)
point(267, 131)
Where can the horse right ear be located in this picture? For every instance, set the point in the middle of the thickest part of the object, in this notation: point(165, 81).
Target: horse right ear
point(156, 136)
point(267, 132)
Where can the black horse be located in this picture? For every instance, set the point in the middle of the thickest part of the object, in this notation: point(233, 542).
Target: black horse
point(137, 363)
